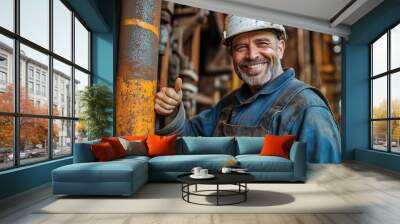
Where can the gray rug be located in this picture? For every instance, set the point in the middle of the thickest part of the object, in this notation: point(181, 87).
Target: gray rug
point(166, 198)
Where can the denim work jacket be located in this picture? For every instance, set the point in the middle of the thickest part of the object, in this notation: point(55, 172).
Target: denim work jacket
point(283, 106)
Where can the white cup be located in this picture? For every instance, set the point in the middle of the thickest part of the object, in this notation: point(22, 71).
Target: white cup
point(203, 172)
point(196, 170)
point(226, 170)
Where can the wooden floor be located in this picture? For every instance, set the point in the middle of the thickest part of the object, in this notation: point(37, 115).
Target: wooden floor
point(377, 188)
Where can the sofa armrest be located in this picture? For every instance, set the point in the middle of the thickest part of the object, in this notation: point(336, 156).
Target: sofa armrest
point(298, 157)
point(83, 152)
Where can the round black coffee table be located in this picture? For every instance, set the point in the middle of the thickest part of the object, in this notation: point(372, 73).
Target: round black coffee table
point(238, 179)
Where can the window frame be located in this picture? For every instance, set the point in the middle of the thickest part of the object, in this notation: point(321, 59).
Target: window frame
point(388, 74)
point(16, 114)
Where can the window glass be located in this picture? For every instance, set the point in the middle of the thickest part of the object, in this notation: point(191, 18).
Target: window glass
point(395, 47)
point(33, 140)
point(395, 136)
point(62, 29)
point(39, 62)
point(379, 135)
point(35, 21)
point(81, 45)
point(62, 137)
point(395, 94)
point(379, 56)
point(81, 81)
point(379, 97)
point(6, 74)
point(7, 14)
point(81, 131)
point(6, 142)
point(62, 91)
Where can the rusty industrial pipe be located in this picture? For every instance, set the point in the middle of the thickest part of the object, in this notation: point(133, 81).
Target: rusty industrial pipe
point(137, 66)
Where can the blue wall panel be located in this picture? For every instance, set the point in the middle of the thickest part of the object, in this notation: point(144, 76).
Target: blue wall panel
point(102, 59)
point(24, 178)
point(104, 49)
point(102, 62)
point(356, 103)
point(380, 159)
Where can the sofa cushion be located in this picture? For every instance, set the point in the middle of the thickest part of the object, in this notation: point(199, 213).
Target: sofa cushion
point(185, 163)
point(257, 163)
point(134, 147)
point(111, 171)
point(83, 152)
point(249, 145)
point(116, 145)
point(207, 145)
point(161, 145)
point(135, 137)
point(131, 158)
point(277, 145)
point(103, 152)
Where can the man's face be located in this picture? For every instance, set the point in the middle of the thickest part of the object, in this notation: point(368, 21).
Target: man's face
point(256, 56)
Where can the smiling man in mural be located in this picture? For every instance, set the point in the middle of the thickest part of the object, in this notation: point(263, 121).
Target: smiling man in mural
point(270, 101)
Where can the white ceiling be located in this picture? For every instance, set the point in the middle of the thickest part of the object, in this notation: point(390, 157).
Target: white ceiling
point(315, 15)
point(320, 9)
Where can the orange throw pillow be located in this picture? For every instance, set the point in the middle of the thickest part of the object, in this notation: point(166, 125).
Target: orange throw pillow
point(116, 145)
point(103, 152)
point(161, 145)
point(134, 138)
point(277, 145)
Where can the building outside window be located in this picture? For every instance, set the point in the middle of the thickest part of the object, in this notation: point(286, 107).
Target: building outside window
point(37, 75)
point(38, 89)
point(3, 60)
point(30, 87)
point(3, 78)
point(385, 91)
point(57, 134)
point(55, 98)
point(44, 77)
point(30, 72)
point(43, 90)
point(3, 71)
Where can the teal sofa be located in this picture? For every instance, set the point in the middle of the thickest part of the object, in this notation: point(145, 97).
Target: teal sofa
point(125, 176)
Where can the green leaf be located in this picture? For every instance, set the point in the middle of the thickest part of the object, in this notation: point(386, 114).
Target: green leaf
point(96, 102)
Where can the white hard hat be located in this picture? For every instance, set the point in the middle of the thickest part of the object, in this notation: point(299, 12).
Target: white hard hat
point(235, 25)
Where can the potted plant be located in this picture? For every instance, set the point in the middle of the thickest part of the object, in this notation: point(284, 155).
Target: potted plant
point(96, 102)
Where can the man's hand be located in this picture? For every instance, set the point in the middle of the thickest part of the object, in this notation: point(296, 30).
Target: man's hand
point(168, 99)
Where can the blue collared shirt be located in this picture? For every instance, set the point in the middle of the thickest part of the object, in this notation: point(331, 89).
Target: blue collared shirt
point(307, 117)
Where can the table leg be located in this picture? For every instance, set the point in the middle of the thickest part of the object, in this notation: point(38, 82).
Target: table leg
point(245, 191)
point(217, 194)
point(182, 188)
point(188, 189)
point(196, 188)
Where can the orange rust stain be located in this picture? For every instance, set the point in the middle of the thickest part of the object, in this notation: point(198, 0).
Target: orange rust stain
point(135, 106)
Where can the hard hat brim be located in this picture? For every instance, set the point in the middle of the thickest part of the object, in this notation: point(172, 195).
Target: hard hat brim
point(227, 41)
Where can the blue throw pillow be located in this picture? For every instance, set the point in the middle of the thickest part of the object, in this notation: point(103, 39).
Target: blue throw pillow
point(249, 145)
point(207, 145)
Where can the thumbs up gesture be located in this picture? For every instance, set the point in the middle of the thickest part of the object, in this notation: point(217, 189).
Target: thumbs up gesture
point(167, 99)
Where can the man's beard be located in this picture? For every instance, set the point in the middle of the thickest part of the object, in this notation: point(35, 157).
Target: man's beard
point(259, 80)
